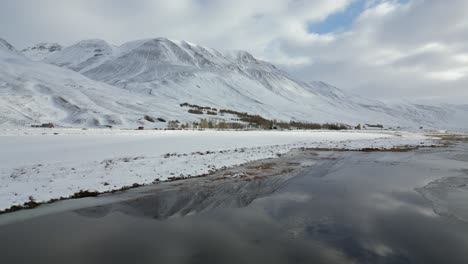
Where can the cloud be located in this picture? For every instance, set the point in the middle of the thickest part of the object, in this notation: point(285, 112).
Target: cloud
point(412, 50)
point(393, 49)
point(206, 21)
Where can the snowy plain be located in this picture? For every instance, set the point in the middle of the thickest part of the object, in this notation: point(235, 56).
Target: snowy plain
point(45, 164)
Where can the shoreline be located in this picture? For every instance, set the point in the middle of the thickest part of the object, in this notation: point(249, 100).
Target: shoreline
point(40, 169)
point(249, 171)
point(284, 166)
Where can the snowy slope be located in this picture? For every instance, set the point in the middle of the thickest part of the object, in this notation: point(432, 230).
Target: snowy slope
point(84, 54)
point(34, 92)
point(154, 76)
point(7, 47)
point(41, 51)
point(236, 80)
point(403, 113)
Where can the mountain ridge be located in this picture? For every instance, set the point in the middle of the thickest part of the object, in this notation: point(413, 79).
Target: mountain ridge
point(41, 50)
point(159, 74)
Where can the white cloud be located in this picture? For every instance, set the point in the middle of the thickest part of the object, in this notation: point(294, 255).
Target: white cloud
point(393, 49)
point(397, 50)
point(449, 75)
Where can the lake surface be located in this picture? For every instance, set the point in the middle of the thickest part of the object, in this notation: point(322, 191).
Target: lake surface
point(351, 207)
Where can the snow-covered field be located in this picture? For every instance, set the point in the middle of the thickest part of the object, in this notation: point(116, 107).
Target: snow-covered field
point(45, 164)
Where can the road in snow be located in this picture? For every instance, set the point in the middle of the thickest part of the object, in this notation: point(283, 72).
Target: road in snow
point(40, 164)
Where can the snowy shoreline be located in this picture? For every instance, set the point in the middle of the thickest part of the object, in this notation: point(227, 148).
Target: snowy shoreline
point(49, 164)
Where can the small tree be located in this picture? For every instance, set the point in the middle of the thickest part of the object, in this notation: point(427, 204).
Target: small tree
point(222, 125)
point(203, 123)
point(173, 124)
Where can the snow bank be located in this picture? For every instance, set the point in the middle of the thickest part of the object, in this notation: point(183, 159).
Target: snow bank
point(46, 164)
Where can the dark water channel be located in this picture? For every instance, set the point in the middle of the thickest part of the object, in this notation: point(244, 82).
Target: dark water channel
point(352, 208)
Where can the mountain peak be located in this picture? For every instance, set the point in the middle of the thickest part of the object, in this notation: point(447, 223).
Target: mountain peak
point(241, 56)
point(45, 46)
point(6, 45)
point(92, 42)
point(163, 51)
point(42, 50)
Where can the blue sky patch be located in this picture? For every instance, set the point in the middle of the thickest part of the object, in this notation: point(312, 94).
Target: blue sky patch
point(340, 21)
point(343, 20)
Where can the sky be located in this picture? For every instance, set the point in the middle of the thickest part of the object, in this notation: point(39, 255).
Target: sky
point(384, 49)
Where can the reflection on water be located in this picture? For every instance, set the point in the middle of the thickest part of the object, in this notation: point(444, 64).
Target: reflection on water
point(360, 208)
point(189, 200)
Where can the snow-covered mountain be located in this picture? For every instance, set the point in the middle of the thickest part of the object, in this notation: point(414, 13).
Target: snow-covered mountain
point(6, 46)
point(82, 55)
point(41, 51)
point(102, 84)
point(34, 92)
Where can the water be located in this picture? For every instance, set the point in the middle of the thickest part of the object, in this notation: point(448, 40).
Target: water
point(350, 208)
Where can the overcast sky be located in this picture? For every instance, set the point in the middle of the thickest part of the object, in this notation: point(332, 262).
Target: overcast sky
point(385, 49)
